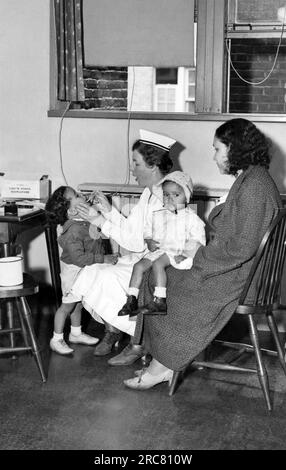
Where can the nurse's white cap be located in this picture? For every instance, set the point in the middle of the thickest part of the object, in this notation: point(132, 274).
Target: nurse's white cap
point(157, 140)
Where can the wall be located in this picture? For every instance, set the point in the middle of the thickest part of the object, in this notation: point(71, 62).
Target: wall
point(92, 149)
point(105, 88)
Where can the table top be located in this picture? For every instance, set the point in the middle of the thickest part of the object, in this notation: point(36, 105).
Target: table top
point(24, 215)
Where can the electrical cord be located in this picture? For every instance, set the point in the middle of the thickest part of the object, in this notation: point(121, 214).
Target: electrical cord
point(60, 141)
point(272, 68)
point(127, 179)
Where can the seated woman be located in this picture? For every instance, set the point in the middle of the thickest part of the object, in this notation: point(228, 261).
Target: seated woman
point(201, 300)
point(102, 288)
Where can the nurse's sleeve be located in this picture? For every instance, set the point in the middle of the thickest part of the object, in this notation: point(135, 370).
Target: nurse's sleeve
point(127, 231)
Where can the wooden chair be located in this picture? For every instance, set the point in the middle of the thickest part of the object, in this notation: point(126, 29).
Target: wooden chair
point(15, 296)
point(264, 279)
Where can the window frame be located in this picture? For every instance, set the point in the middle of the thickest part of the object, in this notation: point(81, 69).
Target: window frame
point(188, 83)
point(211, 24)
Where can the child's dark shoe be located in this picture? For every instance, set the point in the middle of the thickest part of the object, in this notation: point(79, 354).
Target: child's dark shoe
point(130, 306)
point(157, 306)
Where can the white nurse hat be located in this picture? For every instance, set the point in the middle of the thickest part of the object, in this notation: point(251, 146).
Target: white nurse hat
point(157, 140)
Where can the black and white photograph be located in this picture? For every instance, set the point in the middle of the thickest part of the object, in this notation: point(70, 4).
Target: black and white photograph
point(142, 231)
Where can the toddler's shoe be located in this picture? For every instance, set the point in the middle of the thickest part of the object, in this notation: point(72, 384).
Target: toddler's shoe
point(60, 346)
point(83, 338)
point(130, 306)
point(157, 306)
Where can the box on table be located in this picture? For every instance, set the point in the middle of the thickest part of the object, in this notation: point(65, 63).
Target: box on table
point(26, 189)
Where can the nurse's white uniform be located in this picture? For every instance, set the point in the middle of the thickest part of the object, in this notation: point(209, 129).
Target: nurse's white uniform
point(102, 288)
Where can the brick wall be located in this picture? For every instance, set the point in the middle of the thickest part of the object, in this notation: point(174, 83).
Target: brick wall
point(253, 59)
point(105, 88)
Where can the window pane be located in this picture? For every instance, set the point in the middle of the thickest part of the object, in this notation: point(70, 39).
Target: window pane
point(167, 76)
point(192, 76)
point(190, 107)
point(261, 11)
point(191, 92)
point(253, 59)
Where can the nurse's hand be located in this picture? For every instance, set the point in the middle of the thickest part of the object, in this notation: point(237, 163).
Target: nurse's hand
point(152, 244)
point(100, 202)
point(89, 213)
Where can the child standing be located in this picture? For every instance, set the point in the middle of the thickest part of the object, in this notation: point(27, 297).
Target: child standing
point(177, 233)
point(78, 250)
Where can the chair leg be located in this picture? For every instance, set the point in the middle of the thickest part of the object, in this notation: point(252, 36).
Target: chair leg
point(23, 326)
point(174, 382)
point(1, 315)
point(11, 322)
point(274, 330)
point(28, 318)
point(261, 370)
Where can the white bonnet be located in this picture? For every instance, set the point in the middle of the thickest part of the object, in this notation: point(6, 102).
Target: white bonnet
point(183, 180)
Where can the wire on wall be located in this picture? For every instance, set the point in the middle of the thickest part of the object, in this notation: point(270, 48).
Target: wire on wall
point(274, 62)
point(128, 168)
point(60, 141)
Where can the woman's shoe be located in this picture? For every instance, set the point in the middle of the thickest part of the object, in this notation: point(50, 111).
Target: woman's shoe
point(147, 380)
point(129, 307)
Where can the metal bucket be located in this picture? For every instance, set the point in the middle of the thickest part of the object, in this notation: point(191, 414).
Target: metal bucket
point(11, 271)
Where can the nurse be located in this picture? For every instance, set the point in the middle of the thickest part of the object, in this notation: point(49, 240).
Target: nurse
point(102, 288)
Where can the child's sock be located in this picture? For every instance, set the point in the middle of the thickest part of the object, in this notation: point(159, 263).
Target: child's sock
point(160, 292)
point(133, 291)
point(76, 330)
point(58, 336)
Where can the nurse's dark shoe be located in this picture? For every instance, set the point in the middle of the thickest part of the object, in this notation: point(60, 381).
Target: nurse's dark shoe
point(157, 306)
point(130, 306)
point(106, 344)
point(130, 354)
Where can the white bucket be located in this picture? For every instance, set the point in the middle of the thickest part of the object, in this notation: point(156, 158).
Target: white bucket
point(11, 272)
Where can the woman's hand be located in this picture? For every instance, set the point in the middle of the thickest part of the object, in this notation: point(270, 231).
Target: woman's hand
point(151, 244)
point(100, 202)
point(86, 212)
point(111, 259)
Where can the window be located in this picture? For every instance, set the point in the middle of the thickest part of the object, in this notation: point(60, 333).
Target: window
point(256, 82)
point(234, 37)
point(138, 87)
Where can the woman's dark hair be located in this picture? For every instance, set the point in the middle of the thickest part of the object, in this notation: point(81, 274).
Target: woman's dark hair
point(57, 206)
point(154, 156)
point(247, 145)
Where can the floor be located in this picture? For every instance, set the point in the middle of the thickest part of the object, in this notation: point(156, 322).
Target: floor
point(84, 404)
